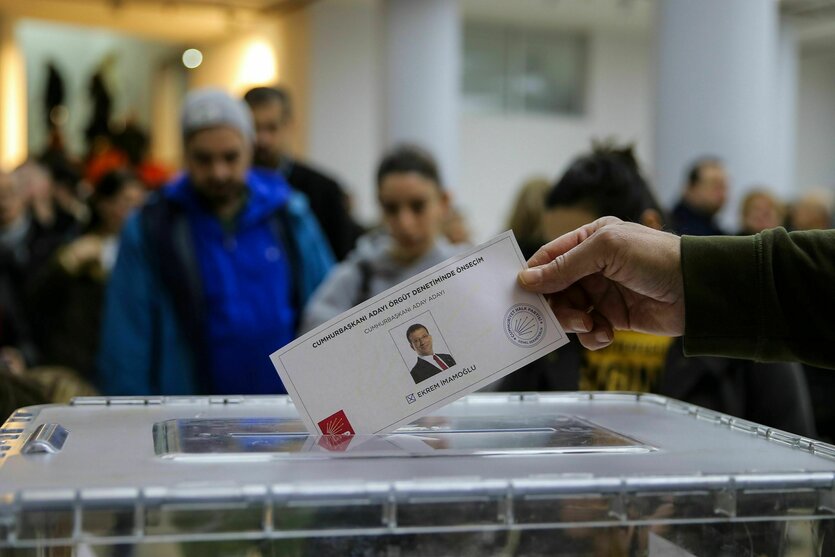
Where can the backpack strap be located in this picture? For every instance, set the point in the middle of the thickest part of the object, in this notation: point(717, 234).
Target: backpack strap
point(364, 290)
point(168, 235)
point(283, 232)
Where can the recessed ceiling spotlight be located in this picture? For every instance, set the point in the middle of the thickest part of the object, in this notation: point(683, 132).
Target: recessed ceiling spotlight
point(192, 58)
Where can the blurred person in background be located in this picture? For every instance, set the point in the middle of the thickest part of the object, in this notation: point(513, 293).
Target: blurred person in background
point(526, 216)
point(26, 244)
point(16, 344)
point(272, 111)
point(704, 196)
point(608, 181)
point(812, 211)
point(48, 214)
point(213, 272)
point(69, 292)
point(55, 150)
point(28, 240)
point(126, 149)
point(135, 143)
point(70, 191)
point(414, 204)
point(103, 157)
point(760, 210)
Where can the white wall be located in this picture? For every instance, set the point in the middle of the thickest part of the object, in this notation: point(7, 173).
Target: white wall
point(785, 105)
point(292, 45)
point(815, 165)
point(497, 153)
point(77, 52)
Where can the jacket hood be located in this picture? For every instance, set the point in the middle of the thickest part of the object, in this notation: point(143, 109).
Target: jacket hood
point(371, 247)
point(268, 191)
point(374, 248)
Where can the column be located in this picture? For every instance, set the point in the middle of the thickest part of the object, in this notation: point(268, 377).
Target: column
point(717, 76)
point(421, 83)
point(13, 124)
point(785, 124)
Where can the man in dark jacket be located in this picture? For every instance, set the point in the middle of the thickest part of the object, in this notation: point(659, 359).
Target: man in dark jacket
point(272, 111)
point(704, 196)
point(213, 272)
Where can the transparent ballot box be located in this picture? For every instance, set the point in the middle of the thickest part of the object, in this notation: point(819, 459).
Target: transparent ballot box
point(591, 474)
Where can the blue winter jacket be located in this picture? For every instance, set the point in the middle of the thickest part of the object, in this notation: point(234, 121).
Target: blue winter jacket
point(154, 329)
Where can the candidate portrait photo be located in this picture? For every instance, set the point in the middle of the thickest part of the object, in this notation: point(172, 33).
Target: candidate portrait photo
point(428, 362)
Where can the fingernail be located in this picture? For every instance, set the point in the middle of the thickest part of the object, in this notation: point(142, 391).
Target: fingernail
point(602, 336)
point(530, 277)
point(580, 326)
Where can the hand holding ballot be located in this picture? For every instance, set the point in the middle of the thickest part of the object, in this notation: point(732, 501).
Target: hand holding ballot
point(742, 296)
point(428, 341)
point(611, 275)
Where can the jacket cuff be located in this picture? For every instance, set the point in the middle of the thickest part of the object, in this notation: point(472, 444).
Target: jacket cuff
point(722, 286)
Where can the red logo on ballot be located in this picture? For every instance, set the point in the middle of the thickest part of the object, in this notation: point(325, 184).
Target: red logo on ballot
point(336, 424)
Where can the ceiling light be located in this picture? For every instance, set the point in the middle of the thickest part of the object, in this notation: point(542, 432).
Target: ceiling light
point(192, 58)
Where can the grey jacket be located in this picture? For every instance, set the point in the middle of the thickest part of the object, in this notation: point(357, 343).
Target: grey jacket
point(367, 271)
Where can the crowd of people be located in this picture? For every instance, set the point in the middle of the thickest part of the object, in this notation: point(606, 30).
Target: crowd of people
point(122, 277)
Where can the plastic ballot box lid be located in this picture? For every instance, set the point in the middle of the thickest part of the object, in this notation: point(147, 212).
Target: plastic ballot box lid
point(137, 470)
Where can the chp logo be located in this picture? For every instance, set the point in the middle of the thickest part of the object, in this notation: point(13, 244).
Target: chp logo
point(524, 325)
point(338, 432)
point(336, 424)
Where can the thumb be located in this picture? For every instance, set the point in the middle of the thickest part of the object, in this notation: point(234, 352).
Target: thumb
point(586, 258)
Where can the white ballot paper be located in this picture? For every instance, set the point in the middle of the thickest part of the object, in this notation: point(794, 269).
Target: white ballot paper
point(421, 345)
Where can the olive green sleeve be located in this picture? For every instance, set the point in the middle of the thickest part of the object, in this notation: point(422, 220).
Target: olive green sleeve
point(766, 297)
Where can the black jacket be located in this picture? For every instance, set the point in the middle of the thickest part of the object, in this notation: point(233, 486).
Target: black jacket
point(330, 205)
point(687, 220)
point(423, 370)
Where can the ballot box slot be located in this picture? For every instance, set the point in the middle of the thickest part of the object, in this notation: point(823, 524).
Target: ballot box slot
point(255, 439)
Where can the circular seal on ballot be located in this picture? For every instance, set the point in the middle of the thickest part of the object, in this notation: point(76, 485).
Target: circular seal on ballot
point(524, 325)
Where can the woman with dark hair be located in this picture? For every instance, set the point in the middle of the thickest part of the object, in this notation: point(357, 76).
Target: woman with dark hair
point(525, 218)
point(70, 292)
point(414, 204)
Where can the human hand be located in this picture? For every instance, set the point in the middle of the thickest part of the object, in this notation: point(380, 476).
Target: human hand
point(12, 359)
point(611, 275)
point(84, 251)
